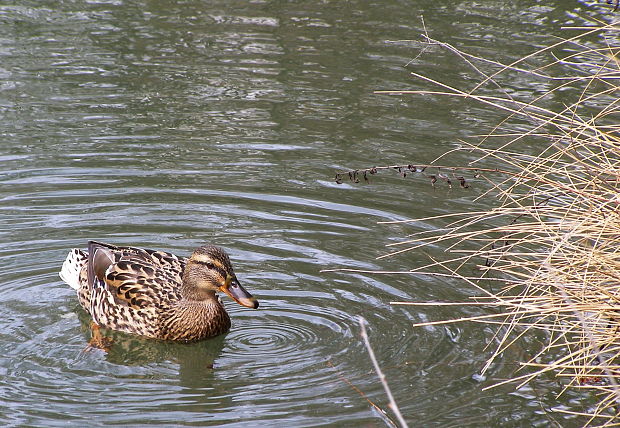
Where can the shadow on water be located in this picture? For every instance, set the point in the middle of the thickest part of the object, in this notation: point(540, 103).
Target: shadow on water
point(195, 388)
point(195, 360)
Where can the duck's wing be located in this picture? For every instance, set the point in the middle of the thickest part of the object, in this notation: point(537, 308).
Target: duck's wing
point(135, 277)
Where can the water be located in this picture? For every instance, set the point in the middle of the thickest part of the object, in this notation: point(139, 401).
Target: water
point(169, 125)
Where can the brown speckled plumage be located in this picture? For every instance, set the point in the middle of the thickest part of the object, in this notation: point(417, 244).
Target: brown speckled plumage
point(155, 293)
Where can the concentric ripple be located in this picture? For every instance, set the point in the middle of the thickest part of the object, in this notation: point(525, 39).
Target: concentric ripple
point(287, 342)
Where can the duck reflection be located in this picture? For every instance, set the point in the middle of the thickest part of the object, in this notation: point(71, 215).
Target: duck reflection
point(196, 360)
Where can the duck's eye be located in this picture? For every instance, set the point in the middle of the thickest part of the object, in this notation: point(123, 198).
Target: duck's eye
point(208, 265)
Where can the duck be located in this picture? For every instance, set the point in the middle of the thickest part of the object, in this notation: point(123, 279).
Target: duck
point(155, 293)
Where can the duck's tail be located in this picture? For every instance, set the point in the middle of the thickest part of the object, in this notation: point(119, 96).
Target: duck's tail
point(70, 271)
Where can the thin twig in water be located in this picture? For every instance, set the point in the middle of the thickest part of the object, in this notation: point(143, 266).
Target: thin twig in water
point(361, 393)
point(371, 353)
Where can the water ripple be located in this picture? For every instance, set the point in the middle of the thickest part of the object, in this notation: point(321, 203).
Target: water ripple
point(167, 125)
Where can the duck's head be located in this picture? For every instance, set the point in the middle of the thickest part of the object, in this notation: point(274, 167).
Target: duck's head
point(209, 270)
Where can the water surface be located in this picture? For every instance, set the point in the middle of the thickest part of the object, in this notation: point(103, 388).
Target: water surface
point(170, 124)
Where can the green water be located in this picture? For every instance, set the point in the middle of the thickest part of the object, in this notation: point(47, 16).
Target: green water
point(170, 124)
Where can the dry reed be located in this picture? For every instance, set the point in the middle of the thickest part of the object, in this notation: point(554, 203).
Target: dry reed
point(554, 243)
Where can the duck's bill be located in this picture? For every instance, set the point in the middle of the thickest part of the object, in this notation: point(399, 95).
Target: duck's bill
point(239, 294)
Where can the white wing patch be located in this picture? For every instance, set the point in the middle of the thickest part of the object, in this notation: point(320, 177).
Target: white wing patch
point(70, 271)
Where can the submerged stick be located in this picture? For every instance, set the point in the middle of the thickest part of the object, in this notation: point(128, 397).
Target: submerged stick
point(388, 421)
point(371, 354)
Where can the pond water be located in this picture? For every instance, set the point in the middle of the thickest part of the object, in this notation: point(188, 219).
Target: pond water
point(170, 124)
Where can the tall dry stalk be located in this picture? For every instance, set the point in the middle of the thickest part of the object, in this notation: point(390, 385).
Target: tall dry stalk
point(555, 243)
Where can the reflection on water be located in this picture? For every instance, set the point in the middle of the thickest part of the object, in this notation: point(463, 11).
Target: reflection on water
point(127, 349)
point(169, 125)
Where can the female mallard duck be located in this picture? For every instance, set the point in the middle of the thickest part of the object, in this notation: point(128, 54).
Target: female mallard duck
point(154, 293)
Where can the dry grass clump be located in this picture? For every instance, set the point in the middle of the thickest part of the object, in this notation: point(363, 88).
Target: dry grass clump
point(551, 249)
point(557, 248)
